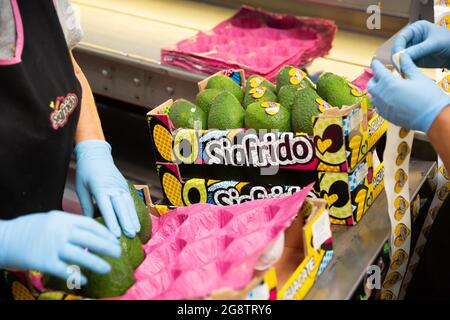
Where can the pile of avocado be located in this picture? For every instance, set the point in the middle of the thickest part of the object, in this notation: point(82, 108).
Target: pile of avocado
point(289, 105)
point(121, 277)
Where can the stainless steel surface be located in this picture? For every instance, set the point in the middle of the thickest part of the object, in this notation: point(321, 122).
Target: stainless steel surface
point(132, 79)
point(421, 136)
point(383, 53)
point(348, 14)
point(398, 8)
point(357, 247)
point(422, 10)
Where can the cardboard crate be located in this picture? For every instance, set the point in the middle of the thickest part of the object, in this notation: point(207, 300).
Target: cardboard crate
point(341, 140)
point(307, 252)
point(349, 195)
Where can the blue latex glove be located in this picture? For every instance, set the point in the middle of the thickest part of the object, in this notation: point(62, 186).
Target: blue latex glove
point(412, 103)
point(97, 177)
point(50, 242)
point(426, 43)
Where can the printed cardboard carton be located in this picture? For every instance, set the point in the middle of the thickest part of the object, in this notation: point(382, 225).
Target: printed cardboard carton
point(349, 195)
point(340, 142)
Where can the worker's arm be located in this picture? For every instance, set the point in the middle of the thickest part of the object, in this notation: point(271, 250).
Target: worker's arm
point(97, 177)
point(89, 125)
point(439, 135)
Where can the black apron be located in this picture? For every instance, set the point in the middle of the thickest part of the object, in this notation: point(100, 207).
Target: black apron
point(40, 100)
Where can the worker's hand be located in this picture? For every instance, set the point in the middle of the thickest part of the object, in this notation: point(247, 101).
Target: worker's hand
point(413, 103)
point(426, 43)
point(51, 242)
point(97, 177)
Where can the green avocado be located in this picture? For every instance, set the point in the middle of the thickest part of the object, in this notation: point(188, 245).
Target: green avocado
point(268, 116)
point(226, 113)
point(225, 83)
point(134, 250)
point(259, 81)
point(132, 247)
point(287, 95)
point(143, 215)
point(336, 90)
point(112, 284)
point(187, 115)
point(259, 94)
point(205, 99)
point(121, 277)
point(304, 108)
point(289, 75)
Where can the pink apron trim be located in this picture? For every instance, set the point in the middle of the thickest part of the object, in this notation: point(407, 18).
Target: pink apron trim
point(19, 40)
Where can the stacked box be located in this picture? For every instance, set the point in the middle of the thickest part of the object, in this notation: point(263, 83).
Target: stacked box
point(226, 167)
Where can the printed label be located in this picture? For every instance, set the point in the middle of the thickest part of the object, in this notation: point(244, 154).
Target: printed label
point(321, 230)
point(270, 150)
point(258, 92)
point(356, 119)
point(62, 107)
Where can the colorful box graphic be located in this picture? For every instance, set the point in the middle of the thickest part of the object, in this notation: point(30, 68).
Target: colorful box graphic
point(349, 195)
point(337, 158)
point(341, 140)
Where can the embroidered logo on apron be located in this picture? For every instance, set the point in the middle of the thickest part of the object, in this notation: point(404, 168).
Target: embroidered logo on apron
point(62, 109)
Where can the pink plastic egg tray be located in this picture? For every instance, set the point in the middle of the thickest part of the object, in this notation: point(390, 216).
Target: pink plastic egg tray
point(257, 41)
point(197, 250)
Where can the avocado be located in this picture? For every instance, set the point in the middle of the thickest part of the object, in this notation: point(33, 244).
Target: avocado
point(268, 116)
point(143, 215)
point(305, 107)
point(287, 95)
point(293, 76)
point(336, 90)
point(225, 83)
point(132, 247)
point(226, 113)
point(258, 81)
point(121, 277)
point(112, 284)
point(259, 94)
point(205, 98)
point(186, 115)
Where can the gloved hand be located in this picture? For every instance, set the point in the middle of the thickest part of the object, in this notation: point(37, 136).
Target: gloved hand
point(98, 177)
point(50, 242)
point(412, 103)
point(426, 43)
